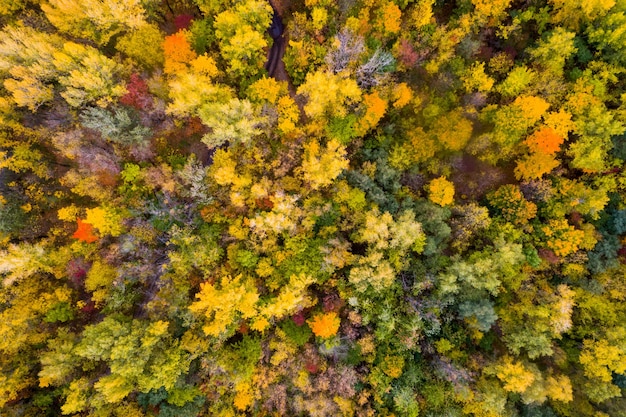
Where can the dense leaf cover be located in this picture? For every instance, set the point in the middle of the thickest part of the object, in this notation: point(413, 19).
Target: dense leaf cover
point(421, 213)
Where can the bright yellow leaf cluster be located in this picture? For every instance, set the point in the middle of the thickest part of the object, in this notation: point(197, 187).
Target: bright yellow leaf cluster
point(219, 315)
point(562, 238)
point(266, 89)
point(390, 18)
point(531, 107)
point(321, 166)
point(402, 95)
point(600, 359)
point(328, 94)
point(106, 219)
point(514, 376)
point(475, 79)
point(441, 191)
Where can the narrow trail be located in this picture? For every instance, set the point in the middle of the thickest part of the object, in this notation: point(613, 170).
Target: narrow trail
point(275, 65)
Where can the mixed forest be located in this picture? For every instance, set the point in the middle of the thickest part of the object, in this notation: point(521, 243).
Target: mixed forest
point(313, 208)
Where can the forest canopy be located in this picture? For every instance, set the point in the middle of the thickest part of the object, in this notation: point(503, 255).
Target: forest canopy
point(313, 208)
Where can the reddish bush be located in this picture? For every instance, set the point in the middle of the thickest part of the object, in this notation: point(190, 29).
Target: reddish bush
point(137, 95)
point(183, 21)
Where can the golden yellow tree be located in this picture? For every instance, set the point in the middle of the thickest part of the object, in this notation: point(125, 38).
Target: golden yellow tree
point(441, 191)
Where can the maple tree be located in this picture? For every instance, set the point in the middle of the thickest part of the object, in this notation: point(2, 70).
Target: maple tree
point(178, 52)
point(84, 232)
point(325, 325)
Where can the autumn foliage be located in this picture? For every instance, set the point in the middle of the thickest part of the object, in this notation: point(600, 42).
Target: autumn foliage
point(84, 232)
point(178, 53)
point(325, 325)
point(408, 208)
point(544, 140)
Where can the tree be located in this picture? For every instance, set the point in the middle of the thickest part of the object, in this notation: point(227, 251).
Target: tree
point(141, 356)
point(84, 232)
point(372, 72)
point(10, 7)
point(116, 126)
point(177, 52)
point(87, 75)
point(441, 191)
point(516, 81)
point(320, 167)
point(514, 375)
point(235, 121)
point(452, 130)
point(240, 35)
point(375, 108)
point(195, 86)
point(325, 325)
point(26, 63)
point(552, 52)
point(389, 18)
point(561, 237)
point(544, 140)
point(96, 19)
point(144, 46)
point(535, 165)
point(609, 35)
point(220, 318)
point(475, 79)
point(571, 13)
point(107, 219)
point(511, 204)
point(490, 12)
point(328, 94)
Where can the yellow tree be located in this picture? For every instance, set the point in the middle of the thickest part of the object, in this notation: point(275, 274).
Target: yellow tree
point(321, 166)
point(389, 18)
point(490, 12)
point(240, 31)
point(26, 64)
point(514, 375)
point(561, 237)
point(441, 191)
point(87, 75)
point(572, 13)
point(194, 86)
point(452, 130)
point(535, 165)
point(475, 78)
point(143, 46)
point(98, 20)
point(219, 317)
point(328, 94)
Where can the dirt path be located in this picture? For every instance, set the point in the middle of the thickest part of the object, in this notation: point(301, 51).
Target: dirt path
point(275, 65)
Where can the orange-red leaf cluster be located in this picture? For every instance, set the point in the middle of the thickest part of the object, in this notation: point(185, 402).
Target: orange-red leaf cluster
point(84, 232)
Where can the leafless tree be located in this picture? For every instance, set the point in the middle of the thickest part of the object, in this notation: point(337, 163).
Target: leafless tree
point(349, 48)
point(370, 73)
